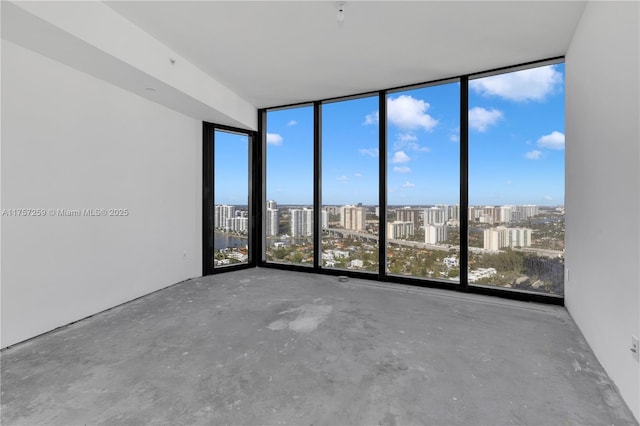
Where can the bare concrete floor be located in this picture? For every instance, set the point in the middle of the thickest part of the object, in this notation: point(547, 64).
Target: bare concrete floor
point(262, 346)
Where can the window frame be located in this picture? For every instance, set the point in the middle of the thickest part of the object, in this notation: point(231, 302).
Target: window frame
point(208, 196)
point(258, 191)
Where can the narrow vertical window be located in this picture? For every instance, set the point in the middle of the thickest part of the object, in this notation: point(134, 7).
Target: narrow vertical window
point(516, 180)
point(231, 199)
point(350, 185)
point(423, 169)
point(288, 211)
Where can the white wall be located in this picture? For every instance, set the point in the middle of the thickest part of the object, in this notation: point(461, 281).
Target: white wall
point(602, 187)
point(91, 37)
point(71, 141)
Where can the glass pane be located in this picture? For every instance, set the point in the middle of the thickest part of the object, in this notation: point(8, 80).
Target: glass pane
point(231, 205)
point(516, 180)
point(350, 184)
point(423, 183)
point(289, 170)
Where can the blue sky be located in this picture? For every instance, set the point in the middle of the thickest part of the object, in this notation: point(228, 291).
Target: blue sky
point(516, 146)
point(231, 165)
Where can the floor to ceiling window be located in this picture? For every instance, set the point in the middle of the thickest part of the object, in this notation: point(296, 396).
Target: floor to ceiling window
point(350, 184)
point(288, 210)
point(423, 182)
point(516, 180)
point(475, 200)
point(231, 213)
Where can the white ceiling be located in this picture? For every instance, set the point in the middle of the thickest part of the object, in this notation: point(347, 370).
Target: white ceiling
point(277, 53)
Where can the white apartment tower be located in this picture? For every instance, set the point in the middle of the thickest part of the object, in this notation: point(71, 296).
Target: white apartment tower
point(221, 214)
point(505, 214)
point(435, 233)
point(301, 222)
point(454, 212)
point(237, 224)
point(436, 214)
point(520, 237)
point(408, 214)
point(399, 229)
point(497, 238)
point(526, 211)
point(272, 205)
point(353, 218)
point(273, 221)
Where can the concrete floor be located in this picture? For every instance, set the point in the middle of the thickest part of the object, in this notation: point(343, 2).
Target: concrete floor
point(262, 346)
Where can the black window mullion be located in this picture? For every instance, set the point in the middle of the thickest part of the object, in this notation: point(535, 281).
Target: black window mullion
point(255, 212)
point(464, 182)
point(317, 185)
point(259, 192)
point(208, 133)
point(382, 196)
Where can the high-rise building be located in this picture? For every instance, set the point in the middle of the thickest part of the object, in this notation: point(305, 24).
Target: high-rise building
point(489, 214)
point(474, 213)
point(221, 214)
point(505, 213)
point(399, 229)
point(301, 222)
point(408, 214)
point(353, 218)
point(272, 205)
point(325, 219)
point(520, 237)
point(273, 222)
point(497, 238)
point(335, 210)
point(526, 211)
point(486, 218)
point(436, 214)
point(237, 224)
point(435, 233)
point(454, 212)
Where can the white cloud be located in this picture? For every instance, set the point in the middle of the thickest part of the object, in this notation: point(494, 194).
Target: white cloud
point(548, 197)
point(342, 179)
point(406, 140)
point(554, 140)
point(371, 152)
point(407, 137)
point(409, 113)
point(533, 155)
point(415, 147)
point(274, 139)
point(371, 118)
point(292, 123)
point(401, 169)
point(408, 184)
point(455, 134)
point(530, 84)
point(357, 174)
point(480, 119)
point(400, 157)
